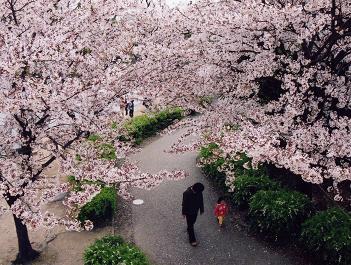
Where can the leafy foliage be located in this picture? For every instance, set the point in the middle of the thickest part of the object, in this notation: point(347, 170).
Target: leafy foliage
point(108, 151)
point(78, 157)
point(241, 170)
point(77, 184)
point(114, 125)
point(113, 250)
point(208, 153)
point(328, 235)
point(278, 214)
point(211, 169)
point(143, 126)
point(71, 180)
point(94, 137)
point(247, 185)
point(100, 208)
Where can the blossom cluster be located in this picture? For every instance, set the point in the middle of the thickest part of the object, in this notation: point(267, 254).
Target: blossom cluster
point(278, 73)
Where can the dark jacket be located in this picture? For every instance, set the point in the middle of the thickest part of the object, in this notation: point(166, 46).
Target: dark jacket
point(192, 202)
point(131, 106)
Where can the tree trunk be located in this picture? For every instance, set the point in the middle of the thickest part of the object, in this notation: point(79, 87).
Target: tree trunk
point(25, 251)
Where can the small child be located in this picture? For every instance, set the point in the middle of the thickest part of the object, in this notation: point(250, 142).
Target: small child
point(221, 210)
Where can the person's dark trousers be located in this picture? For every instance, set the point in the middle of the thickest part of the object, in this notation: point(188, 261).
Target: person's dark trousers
point(131, 113)
point(190, 220)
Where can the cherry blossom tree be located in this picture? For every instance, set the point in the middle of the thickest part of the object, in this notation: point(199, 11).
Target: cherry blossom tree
point(62, 64)
point(271, 78)
point(279, 72)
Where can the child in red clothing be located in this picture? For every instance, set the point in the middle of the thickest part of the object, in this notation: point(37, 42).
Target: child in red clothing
point(221, 210)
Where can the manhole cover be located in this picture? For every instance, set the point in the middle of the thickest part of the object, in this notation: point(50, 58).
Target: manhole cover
point(138, 202)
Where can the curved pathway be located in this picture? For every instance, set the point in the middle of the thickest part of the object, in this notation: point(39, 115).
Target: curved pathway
point(160, 230)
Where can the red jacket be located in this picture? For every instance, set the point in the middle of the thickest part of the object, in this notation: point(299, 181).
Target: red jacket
point(221, 209)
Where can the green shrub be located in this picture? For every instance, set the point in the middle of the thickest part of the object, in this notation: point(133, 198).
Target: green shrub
point(77, 184)
point(100, 208)
point(132, 255)
point(114, 125)
point(278, 214)
point(219, 178)
point(211, 169)
point(241, 170)
point(143, 126)
point(328, 236)
point(94, 137)
point(123, 138)
point(170, 115)
point(71, 180)
point(247, 185)
point(108, 151)
point(78, 157)
point(102, 252)
point(208, 151)
point(112, 250)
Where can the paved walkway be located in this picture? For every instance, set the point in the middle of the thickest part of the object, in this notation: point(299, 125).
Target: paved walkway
point(160, 230)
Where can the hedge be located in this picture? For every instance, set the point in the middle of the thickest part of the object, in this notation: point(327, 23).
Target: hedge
point(247, 185)
point(143, 126)
point(112, 250)
point(278, 214)
point(211, 169)
point(328, 236)
point(100, 208)
point(218, 177)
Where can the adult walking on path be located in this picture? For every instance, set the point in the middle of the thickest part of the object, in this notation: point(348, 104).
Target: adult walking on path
point(125, 106)
point(131, 108)
point(192, 202)
point(159, 229)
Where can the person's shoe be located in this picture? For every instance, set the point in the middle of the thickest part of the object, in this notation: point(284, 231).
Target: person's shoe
point(194, 244)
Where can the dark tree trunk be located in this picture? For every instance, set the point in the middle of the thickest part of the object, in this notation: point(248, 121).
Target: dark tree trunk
point(289, 179)
point(25, 251)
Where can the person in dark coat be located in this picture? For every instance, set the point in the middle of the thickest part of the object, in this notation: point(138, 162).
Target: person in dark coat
point(126, 107)
point(131, 108)
point(192, 202)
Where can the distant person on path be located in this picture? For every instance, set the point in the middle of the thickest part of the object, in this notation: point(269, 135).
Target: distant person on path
point(123, 105)
point(131, 108)
point(146, 102)
point(126, 106)
point(192, 202)
point(221, 210)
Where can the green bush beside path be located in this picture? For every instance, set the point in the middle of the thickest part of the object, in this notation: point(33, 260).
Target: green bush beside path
point(112, 250)
point(146, 125)
point(328, 236)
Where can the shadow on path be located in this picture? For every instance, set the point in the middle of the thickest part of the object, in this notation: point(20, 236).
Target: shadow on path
point(160, 230)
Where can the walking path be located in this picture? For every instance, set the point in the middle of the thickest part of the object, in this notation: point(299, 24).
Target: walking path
point(160, 230)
